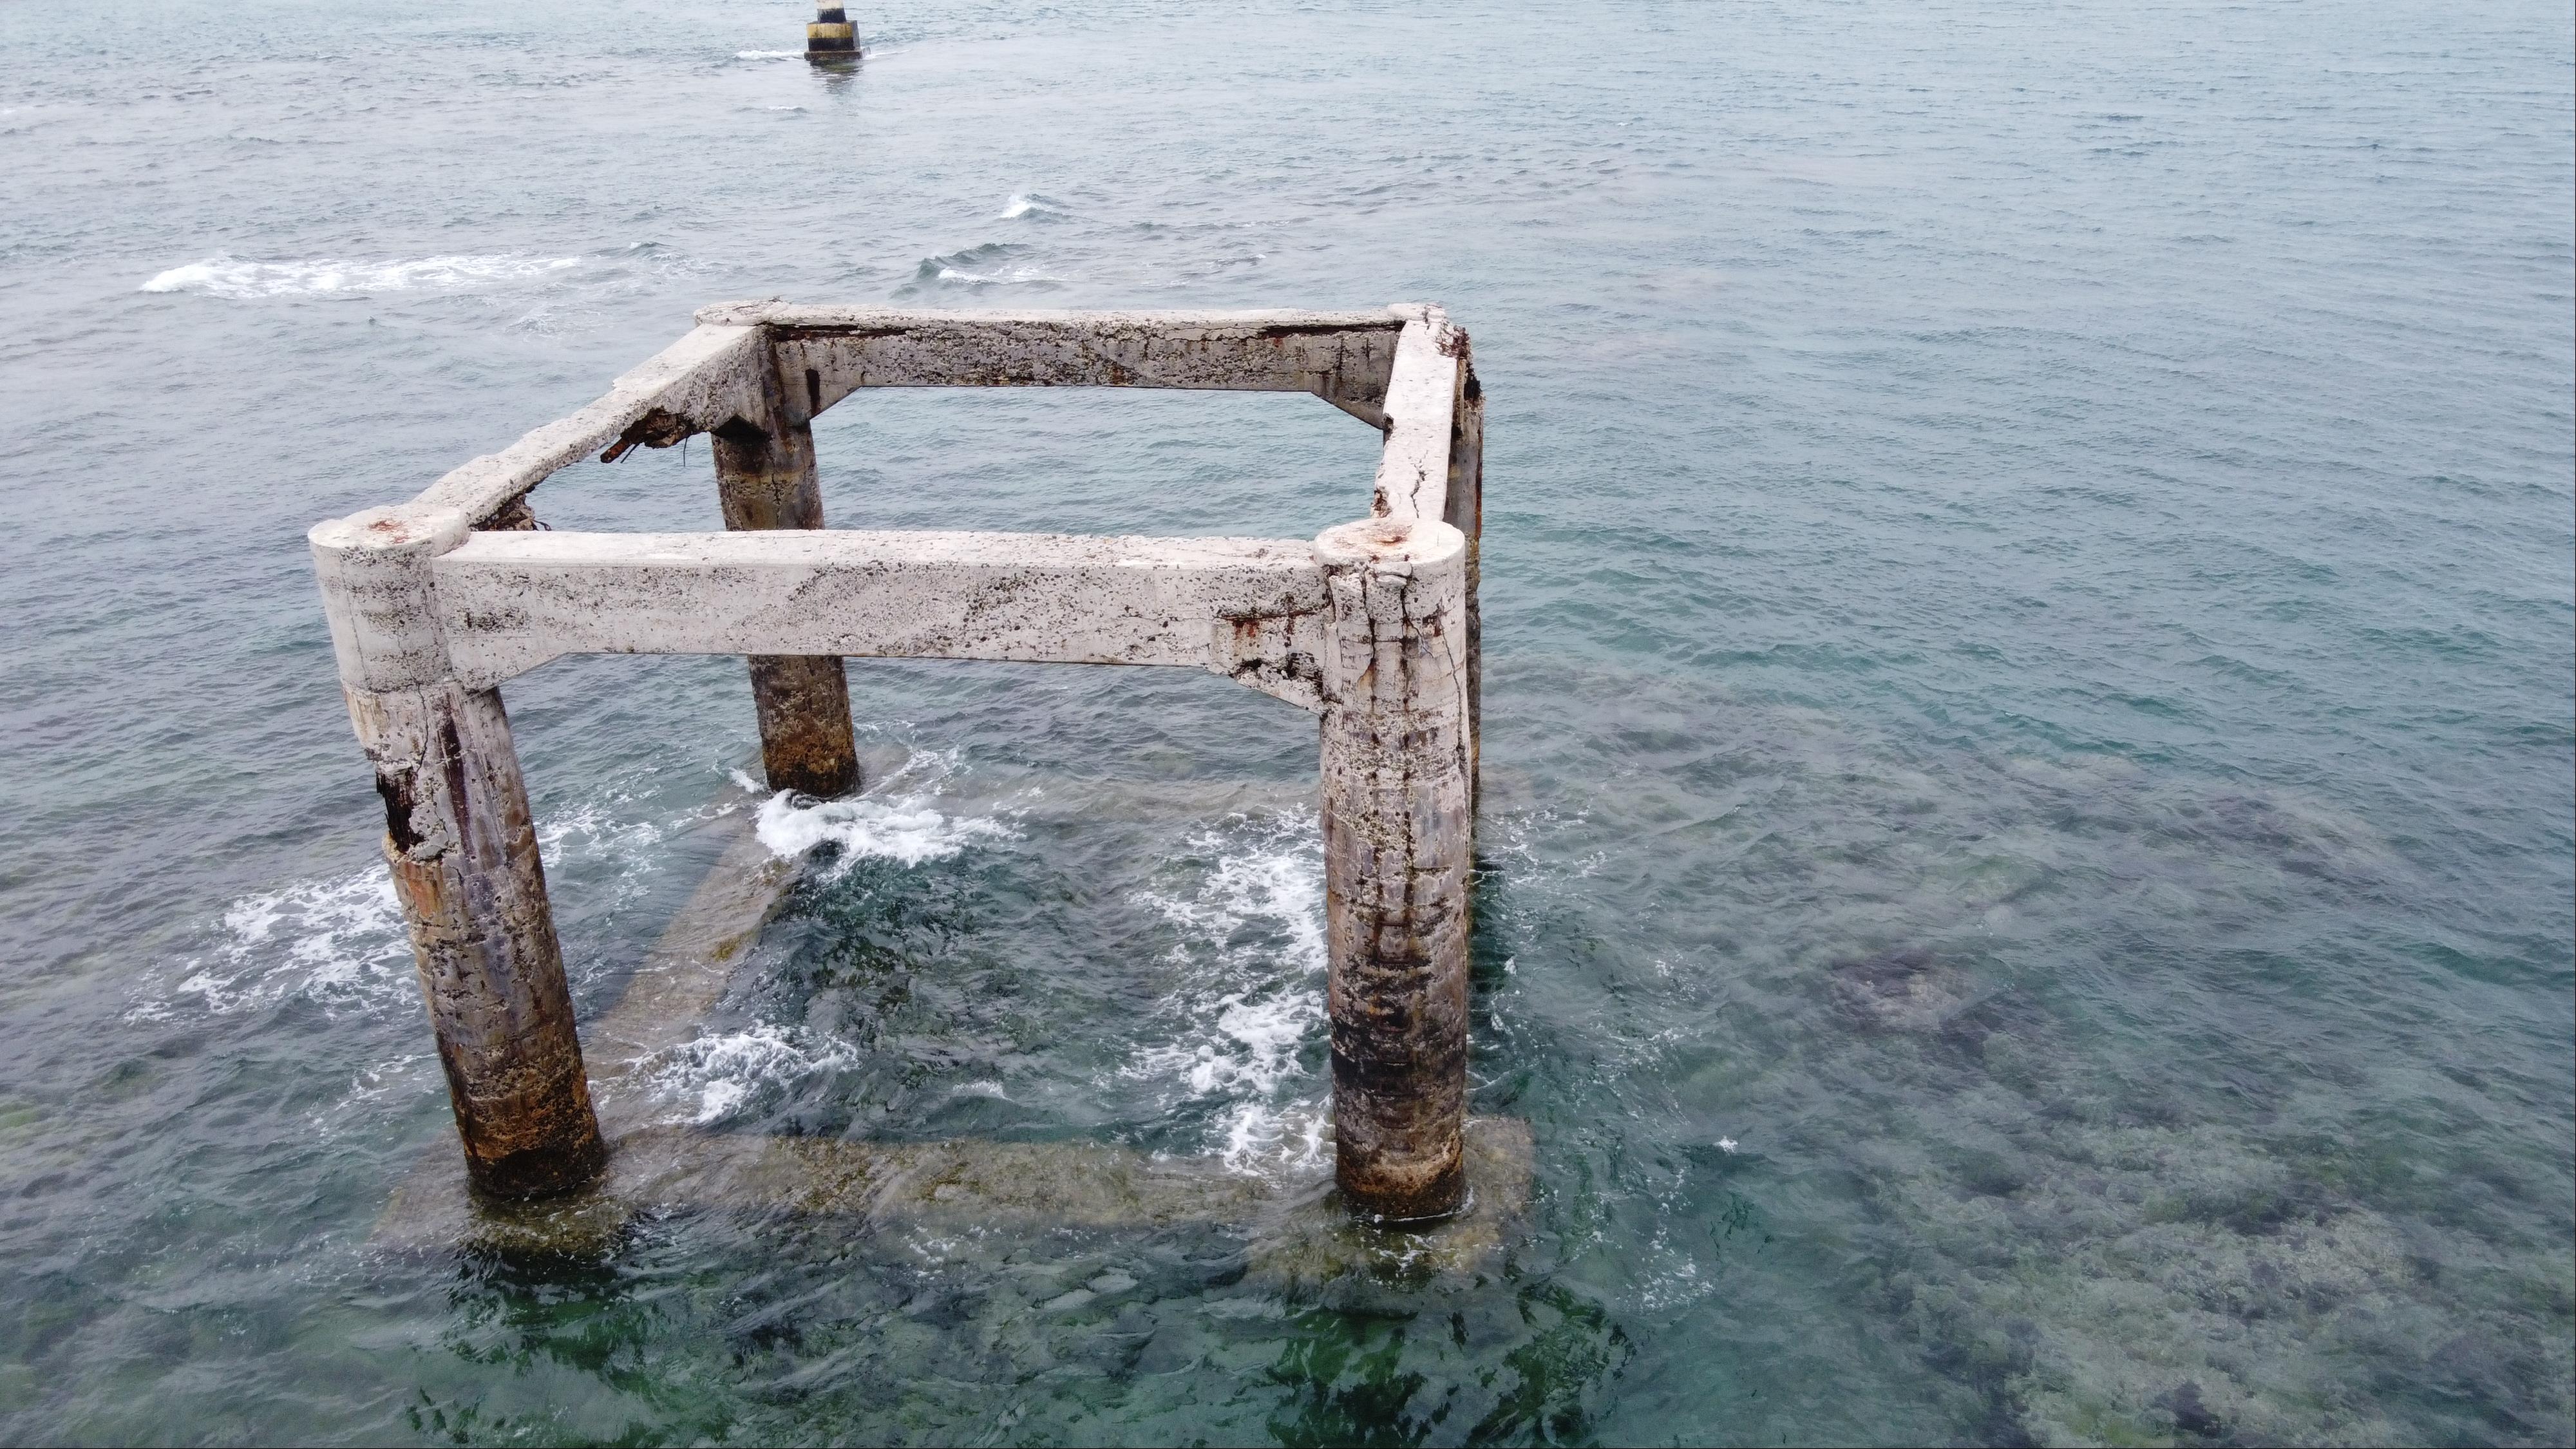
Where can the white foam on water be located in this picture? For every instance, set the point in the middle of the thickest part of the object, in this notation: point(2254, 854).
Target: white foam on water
point(1536, 836)
point(1269, 1141)
point(589, 829)
point(1006, 277)
point(711, 1078)
point(896, 821)
point(1025, 203)
point(1253, 958)
point(769, 55)
point(1674, 1279)
point(228, 277)
point(378, 1079)
point(340, 941)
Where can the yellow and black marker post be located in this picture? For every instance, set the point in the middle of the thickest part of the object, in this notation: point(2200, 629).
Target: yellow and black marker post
point(831, 36)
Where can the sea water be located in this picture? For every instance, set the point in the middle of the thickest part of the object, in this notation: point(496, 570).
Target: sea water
point(2030, 698)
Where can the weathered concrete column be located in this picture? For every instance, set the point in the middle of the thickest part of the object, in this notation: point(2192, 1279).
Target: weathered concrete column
point(464, 856)
point(1397, 820)
point(767, 480)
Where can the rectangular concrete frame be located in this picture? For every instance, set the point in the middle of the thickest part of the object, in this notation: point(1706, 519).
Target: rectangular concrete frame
point(434, 603)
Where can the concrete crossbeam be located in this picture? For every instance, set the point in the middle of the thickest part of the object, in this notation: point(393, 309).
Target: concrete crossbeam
point(698, 383)
point(1341, 357)
point(1421, 405)
point(1249, 608)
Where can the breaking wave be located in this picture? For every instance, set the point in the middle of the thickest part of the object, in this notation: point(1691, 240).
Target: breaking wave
point(896, 821)
point(1251, 1001)
point(977, 269)
point(231, 278)
point(712, 1078)
point(337, 942)
point(1029, 203)
point(340, 942)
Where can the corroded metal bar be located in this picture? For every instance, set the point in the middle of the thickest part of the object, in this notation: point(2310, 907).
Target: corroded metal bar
point(765, 476)
point(1397, 814)
point(1251, 609)
point(463, 852)
point(1341, 357)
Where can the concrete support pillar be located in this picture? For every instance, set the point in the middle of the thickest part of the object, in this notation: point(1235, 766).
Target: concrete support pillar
point(464, 856)
point(1397, 816)
point(767, 480)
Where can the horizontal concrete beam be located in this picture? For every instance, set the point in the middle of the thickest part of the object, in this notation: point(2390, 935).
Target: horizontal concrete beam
point(822, 354)
point(1251, 609)
point(697, 384)
point(830, 352)
point(1292, 1234)
point(837, 317)
point(1422, 398)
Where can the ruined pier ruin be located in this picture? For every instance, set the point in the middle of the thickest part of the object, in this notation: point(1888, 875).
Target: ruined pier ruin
point(1371, 627)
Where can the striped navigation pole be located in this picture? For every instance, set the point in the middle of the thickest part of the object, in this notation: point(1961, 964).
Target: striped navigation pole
point(831, 36)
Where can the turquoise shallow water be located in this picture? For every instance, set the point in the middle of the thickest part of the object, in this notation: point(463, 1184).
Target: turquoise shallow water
point(2031, 715)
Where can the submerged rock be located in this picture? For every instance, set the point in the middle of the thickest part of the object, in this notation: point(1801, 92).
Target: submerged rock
point(1902, 990)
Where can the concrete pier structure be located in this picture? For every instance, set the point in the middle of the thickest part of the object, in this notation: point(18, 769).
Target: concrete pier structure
point(1372, 627)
